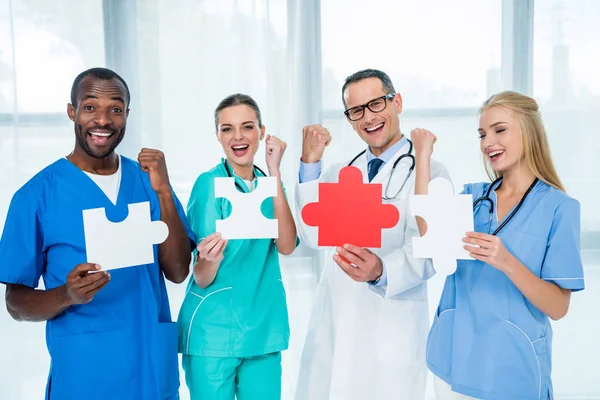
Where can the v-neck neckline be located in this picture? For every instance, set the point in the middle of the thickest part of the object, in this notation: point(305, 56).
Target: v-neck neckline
point(240, 181)
point(83, 180)
point(509, 213)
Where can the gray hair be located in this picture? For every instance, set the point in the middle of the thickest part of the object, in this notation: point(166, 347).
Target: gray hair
point(386, 82)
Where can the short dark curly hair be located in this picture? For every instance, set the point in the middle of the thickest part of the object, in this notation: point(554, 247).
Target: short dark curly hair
point(99, 73)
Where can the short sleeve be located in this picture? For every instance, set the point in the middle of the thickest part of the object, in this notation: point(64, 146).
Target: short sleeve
point(466, 189)
point(21, 246)
point(203, 210)
point(562, 262)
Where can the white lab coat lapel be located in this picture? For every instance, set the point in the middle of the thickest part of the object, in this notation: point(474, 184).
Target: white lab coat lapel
point(385, 171)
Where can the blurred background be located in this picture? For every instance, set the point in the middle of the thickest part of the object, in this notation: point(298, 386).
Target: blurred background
point(181, 57)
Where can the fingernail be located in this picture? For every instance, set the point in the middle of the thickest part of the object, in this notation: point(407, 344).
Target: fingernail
point(97, 266)
point(346, 246)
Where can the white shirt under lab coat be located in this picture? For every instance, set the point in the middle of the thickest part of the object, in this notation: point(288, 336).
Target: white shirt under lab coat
point(364, 341)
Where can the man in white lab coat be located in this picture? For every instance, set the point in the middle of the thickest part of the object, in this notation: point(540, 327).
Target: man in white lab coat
point(368, 329)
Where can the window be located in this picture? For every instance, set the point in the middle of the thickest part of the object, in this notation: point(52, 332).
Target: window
point(567, 87)
point(43, 46)
point(443, 57)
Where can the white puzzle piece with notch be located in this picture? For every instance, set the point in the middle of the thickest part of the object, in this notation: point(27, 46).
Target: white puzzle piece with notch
point(246, 220)
point(449, 217)
point(123, 244)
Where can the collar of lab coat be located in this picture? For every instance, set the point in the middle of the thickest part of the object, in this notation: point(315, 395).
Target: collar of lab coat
point(389, 153)
point(384, 171)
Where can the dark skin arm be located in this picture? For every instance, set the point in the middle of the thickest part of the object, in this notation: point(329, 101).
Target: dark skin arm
point(174, 254)
point(27, 304)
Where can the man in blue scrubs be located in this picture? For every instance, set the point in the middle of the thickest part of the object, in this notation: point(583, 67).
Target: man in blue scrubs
point(109, 335)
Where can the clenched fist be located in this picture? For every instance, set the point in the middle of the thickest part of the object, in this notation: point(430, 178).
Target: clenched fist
point(423, 140)
point(314, 140)
point(273, 154)
point(153, 162)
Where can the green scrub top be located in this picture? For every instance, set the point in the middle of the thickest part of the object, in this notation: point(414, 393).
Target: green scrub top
point(243, 313)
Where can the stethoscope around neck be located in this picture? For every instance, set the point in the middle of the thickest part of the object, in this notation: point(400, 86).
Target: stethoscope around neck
point(230, 174)
point(410, 170)
point(487, 198)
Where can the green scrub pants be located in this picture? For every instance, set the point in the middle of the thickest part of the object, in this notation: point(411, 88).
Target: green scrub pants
point(229, 378)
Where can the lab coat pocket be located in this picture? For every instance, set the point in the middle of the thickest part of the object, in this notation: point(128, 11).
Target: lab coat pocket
point(167, 359)
point(440, 342)
point(92, 365)
point(513, 365)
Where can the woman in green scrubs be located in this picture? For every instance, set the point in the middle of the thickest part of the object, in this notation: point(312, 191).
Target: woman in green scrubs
point(233, 323)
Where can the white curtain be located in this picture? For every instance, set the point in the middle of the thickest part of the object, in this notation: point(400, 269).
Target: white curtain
point(43, 45)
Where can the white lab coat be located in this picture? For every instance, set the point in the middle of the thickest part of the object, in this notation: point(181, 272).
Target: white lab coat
point(365, 342)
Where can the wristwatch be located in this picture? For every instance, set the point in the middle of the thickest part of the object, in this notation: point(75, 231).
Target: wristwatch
point(376, 281)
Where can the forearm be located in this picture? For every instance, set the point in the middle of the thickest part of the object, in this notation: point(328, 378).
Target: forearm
point(422, 179)
point(175, 252)
point(549, 298)
point(205, 272)
point(286, 241)
point(27, 304)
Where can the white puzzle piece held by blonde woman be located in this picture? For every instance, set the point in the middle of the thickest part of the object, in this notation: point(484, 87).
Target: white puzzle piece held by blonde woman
point(246, 220)
point(122, 244)
point(449, 217)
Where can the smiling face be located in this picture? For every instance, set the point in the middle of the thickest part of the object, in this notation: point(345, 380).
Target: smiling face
point(239, 133)
point(500, 135)
point(100, 116)
point(380, 129)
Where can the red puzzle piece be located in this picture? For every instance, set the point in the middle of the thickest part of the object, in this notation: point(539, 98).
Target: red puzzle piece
point(350, 211)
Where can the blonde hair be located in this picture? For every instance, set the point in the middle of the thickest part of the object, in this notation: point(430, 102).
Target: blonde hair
point(534, 141)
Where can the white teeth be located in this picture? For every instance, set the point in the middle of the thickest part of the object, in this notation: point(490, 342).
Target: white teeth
point(103, 134)
point(371, 129)
point(242, 147)
point(495, 153)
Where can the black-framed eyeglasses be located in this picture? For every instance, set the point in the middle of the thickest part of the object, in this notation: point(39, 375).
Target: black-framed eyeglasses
point(376, 105)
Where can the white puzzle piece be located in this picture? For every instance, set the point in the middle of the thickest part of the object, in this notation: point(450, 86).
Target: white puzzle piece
point(246, 220)
point(449, 217)
point(123, 244)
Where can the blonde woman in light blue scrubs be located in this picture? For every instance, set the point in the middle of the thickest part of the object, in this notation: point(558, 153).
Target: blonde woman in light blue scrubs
point(491, 336)
point(233, 323)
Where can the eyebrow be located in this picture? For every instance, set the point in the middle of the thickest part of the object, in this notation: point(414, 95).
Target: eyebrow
point(91, 96)
point(493, 125)
point(243, 123)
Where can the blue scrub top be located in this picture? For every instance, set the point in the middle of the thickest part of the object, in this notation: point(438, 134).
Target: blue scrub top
point(487, 340)
point(121, 345)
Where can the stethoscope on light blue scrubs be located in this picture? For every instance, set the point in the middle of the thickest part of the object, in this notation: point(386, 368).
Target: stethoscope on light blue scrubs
point(237, 185)
point(487, 198)
point(412, 167)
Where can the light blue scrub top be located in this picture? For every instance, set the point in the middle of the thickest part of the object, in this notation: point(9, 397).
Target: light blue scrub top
point(487, 340)
point(243, 312)
point(121, 345)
